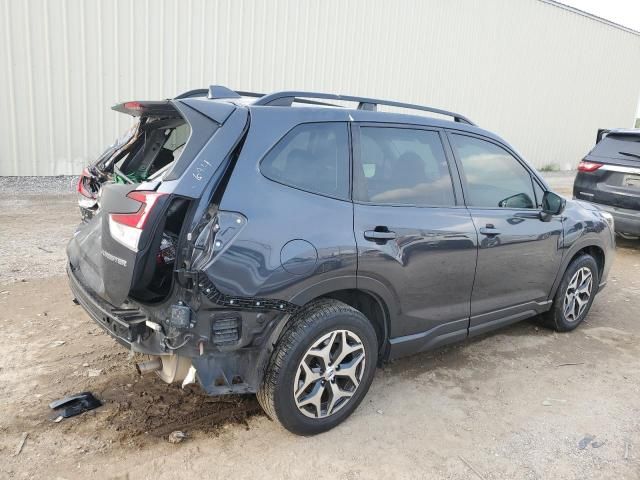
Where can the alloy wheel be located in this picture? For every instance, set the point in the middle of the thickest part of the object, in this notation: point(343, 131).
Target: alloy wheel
point(329, 374)
point(578, 294)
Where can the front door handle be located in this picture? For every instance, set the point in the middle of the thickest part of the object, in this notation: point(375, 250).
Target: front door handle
point(489, 231)
point(375, 235)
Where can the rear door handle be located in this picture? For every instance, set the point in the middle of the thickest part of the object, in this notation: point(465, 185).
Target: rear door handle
point(489, 231)
point(373, 235)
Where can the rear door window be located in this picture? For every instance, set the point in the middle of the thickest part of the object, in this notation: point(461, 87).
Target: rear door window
point(313, 157)
point(402, 166)
point(493, 177)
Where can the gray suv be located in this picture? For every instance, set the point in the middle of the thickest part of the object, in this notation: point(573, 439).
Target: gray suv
point(286, 244)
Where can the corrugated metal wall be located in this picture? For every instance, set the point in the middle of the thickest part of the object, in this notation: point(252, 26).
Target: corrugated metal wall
point(542, 76)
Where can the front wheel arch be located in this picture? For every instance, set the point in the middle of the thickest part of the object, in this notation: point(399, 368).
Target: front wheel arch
point(556, 317)
point(589, 247)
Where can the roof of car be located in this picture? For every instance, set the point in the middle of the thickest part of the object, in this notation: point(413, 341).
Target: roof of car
point(366, 111)
point(307, 99)
point(382, 117)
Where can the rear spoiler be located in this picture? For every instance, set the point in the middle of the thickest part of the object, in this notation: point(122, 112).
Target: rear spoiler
point(621, 132)
point(216, 111)
point(159, 108)
point(602, 132)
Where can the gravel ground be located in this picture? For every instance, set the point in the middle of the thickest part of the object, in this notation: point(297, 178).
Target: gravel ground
point(521, 403)
point(38, 185)
point(38, 215)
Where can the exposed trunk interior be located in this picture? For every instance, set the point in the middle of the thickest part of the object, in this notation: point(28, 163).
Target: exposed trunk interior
point(144, 153)
point(133, 230)
point(155, 279)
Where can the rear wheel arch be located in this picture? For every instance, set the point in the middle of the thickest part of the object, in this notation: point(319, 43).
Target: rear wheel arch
point(373, 298)
point(372, 307)
point(314, 322)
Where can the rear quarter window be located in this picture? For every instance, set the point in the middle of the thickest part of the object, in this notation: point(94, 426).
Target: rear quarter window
point(313, 157)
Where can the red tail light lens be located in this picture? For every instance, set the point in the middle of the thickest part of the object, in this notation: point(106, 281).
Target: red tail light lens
point(585, 166)
point(126, 228)
point(133, 106)
point(139, 218)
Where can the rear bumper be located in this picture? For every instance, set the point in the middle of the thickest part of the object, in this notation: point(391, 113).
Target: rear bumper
point(127, 326)
point(626, 221)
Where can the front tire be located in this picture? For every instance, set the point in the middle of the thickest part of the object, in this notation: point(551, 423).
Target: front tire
point(575, 295)
point(320, 369)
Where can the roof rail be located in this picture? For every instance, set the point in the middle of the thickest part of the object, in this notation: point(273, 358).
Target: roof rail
point(286, 98)
point(216, 91)
point(301, 100)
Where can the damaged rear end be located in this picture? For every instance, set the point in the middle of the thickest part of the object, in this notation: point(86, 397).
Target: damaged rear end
point(144, 202)
point(145, 151)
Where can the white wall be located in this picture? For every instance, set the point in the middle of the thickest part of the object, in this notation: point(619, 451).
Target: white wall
point(542, 76)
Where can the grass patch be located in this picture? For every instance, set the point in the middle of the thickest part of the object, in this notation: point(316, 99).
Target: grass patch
point(550, 167)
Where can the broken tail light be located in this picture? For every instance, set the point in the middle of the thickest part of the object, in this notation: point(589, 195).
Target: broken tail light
point(84, 184)
point(127, 228)
point(86, 191)
point(585, 166)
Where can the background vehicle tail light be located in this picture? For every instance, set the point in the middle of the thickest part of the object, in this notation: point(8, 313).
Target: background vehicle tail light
point(585, 166)
point(127, 228)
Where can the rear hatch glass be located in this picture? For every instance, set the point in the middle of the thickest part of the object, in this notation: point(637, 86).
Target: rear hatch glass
point(619, 147)
point(617, 183)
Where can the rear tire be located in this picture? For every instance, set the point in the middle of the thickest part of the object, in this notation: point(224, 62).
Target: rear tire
point(320, 369)
point(574, 296)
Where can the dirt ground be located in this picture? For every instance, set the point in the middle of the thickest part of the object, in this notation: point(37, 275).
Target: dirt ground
point(519, 403)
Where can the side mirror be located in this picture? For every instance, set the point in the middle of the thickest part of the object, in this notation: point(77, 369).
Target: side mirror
point(552, 204)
